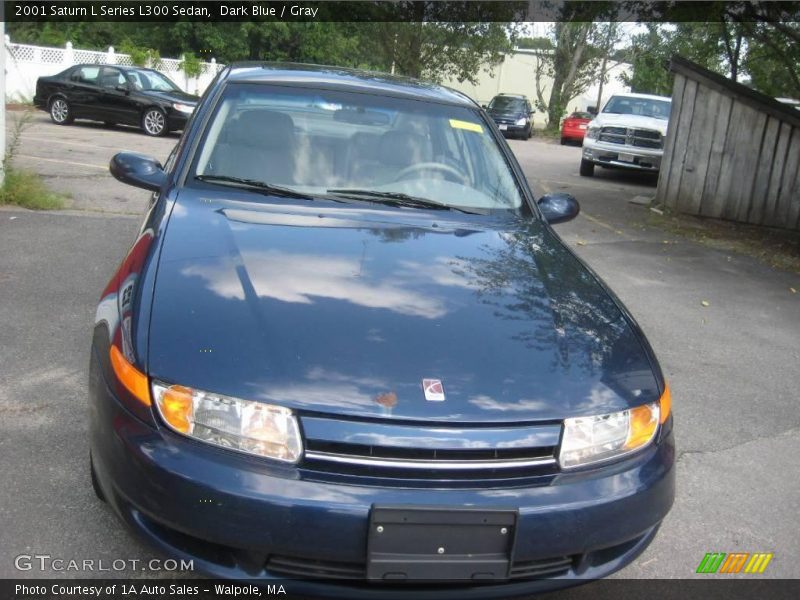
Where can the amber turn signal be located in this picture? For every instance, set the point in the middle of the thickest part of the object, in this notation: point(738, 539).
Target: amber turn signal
point(134, 380)
point(176, 406)
point(665, 404)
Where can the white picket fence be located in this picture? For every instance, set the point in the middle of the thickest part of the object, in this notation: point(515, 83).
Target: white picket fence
point(26, 63)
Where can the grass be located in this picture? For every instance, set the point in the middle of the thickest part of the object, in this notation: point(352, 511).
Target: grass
point(779, 248)
point(26, 189)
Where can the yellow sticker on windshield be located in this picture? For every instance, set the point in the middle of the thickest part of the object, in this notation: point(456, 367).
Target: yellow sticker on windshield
point(456, 124)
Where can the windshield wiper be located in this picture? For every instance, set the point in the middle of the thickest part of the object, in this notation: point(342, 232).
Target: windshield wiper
point(254, 184)
point(396, 199)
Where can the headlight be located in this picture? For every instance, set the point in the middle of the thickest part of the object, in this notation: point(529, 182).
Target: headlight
point(252, 427)
point(184, 108)
point(521, 121)
point(592, 133)
point(592, 439)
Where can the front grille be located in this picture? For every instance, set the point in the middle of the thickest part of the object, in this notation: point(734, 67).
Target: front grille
point(315, 569)
point(403, 451)
point(640, 138)
point(431, 464)
point(327, 569)
point(534, 569)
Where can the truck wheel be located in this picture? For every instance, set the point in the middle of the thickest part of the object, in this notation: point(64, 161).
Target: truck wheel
point(587, 168)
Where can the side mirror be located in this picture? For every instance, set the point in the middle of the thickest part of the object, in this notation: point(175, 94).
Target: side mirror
point(484, 106)
point(122, 88)
point(138, 170)
point(558, 207)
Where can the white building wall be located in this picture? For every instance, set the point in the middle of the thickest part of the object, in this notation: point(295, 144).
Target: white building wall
point(516, 75)
point(26, 63)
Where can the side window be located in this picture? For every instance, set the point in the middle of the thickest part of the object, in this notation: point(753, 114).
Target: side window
point(87, 75)
point(111, 78)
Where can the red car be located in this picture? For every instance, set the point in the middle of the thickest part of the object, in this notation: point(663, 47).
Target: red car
point(574, 127)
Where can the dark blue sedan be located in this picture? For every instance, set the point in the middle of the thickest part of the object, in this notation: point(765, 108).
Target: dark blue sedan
point(348, 347)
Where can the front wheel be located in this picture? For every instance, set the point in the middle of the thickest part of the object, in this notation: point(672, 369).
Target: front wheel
point(154, 122)
point(60, 112)
point(587, 168)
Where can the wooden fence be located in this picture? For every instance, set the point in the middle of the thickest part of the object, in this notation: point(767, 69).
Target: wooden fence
point(730, 153)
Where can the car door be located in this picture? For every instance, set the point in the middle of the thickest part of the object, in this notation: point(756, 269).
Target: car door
point(82, 90)
point(117, 104)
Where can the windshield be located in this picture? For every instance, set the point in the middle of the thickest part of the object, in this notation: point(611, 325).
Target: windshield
point(646, 107)
point(361, 146)
point(507, 103)
point(151, 81)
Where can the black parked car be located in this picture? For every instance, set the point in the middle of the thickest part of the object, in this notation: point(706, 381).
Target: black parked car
point(513, 115)
point(115, 94)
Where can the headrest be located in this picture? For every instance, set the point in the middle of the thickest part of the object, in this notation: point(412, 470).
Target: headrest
point(403, 148)
point(262, 128)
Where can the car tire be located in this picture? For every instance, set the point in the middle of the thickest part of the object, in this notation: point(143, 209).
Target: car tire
point(587, 168)
point(95, 484)
point(563, 141)
point(60, 112)
point(154, 122)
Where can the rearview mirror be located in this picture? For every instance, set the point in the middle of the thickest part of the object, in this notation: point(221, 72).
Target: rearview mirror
point(558, 207)
point(138, 170)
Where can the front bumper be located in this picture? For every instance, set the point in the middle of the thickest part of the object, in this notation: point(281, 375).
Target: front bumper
point(236, 515)
point(176, 121)
point(606, 154)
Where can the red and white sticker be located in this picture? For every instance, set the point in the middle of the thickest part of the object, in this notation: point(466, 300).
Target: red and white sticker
point(434, 390)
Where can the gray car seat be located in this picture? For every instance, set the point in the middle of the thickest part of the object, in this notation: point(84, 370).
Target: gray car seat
point(258, 144)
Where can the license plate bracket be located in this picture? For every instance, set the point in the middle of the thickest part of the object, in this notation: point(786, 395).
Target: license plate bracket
point(444, 544)
point(625, 157)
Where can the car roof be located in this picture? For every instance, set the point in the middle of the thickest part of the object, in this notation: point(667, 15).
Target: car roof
point(120, 67)
point(520, 96)
point(325, 77)
point(646, 96)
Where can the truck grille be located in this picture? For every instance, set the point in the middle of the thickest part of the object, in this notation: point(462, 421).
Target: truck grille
point(640, 138)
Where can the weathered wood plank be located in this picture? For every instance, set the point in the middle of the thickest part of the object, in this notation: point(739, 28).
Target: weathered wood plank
point(709, 205)
point(763, 171)
point(665, 172)
point(695, 164)
point(744, 158)
point(682, 137)
point(794, 208)
point(773, 190)
point(789, 192)
point(736, 173)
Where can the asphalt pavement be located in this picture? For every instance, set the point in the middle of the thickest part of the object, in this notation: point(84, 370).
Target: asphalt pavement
point(726, 329)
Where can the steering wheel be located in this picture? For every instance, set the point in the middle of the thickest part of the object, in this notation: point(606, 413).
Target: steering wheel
point(433, 166)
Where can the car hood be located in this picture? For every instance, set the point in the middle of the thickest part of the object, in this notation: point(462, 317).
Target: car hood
point(633, 121)
point(346, 308)
point(176, 96)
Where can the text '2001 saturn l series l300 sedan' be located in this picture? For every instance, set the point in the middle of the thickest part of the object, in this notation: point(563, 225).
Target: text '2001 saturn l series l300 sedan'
point(347, 347)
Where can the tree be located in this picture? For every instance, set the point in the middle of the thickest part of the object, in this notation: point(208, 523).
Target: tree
point(572, 65)
point(440, 50)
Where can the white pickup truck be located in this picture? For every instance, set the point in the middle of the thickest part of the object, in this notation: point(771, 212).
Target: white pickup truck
point(628, 133)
